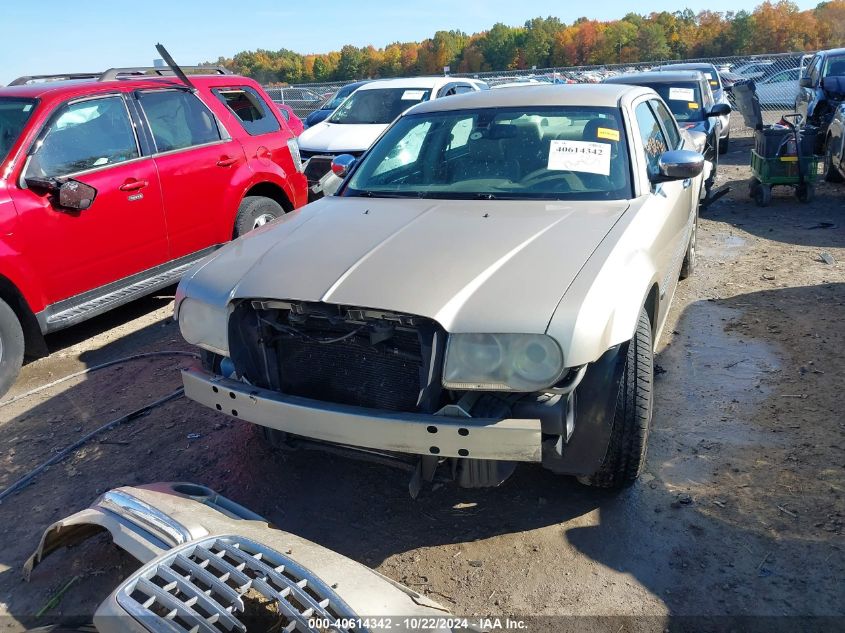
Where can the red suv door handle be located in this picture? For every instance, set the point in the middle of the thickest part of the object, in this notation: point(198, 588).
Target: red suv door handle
point(133, 185)
point(225, 161)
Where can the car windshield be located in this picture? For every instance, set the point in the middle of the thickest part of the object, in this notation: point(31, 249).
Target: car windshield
point(834, 66)
point(549, 153)
point(338, 98)
point(683, 98)
point(14, 113)
point(380, 105)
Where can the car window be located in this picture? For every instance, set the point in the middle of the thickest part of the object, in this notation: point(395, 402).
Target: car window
point(668, 121)
point(834, 66)
point(85, 135)
point(407, 151)
point(178, 119)
point(462, 88)
point(378, 105)
point(683, 98)
point(654, 143)
point(516, 153)
point(14, 113)
point(250, 110)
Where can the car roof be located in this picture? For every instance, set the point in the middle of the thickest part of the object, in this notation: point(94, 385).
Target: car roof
point(686, 66)
point(833, 51)
point(76, 87)
point(601, 95)
point(409, 82)
point(656, 77)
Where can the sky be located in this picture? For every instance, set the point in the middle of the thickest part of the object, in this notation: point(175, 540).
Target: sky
point(46, 36)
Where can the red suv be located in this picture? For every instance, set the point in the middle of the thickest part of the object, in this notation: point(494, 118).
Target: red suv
point(112, 185)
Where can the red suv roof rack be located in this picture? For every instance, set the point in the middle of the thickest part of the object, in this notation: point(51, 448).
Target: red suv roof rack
point(121, 73)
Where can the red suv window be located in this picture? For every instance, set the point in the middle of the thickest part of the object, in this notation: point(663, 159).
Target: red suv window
point(249, 109)
point(178, 119)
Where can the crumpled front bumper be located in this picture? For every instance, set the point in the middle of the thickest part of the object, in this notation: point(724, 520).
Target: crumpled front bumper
point(421, 434)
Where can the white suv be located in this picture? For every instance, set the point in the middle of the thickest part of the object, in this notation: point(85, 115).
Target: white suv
point(364, 115)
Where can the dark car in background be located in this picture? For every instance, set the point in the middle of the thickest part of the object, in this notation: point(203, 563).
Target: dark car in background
point(819, 92)
point(719, 94)
point(689, 97)
point(331, 105)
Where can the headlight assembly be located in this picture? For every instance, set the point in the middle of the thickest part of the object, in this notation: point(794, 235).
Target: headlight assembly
point(502, 362)
point(204, 325)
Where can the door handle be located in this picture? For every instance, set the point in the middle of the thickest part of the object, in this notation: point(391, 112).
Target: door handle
point(133, 185)
point(687, 183)
point(225, 161)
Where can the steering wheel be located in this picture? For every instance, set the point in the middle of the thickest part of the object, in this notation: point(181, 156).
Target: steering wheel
point(540, 175)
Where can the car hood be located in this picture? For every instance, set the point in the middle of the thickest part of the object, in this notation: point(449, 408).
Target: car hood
point(494, 266)
point(335, 138)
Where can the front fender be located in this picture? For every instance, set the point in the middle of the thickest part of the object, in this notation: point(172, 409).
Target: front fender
point(601, 307)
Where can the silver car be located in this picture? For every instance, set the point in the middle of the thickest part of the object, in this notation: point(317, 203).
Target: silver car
point(486, 288)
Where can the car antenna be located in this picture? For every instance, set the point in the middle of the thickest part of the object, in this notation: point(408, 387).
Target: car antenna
point(175, 67)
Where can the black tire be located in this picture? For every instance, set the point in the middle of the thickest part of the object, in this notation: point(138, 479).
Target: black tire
point(255, 211)
point(763, 195)
point(11, 347)
point(724, 144)
point(831, 174)
point(688, 265)
point(805, 193)
point(626, 450)
point(753, 187)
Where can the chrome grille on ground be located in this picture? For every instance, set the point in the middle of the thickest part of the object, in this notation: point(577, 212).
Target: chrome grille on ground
point(224, 584)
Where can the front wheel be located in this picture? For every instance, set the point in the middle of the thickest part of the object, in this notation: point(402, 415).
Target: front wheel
point(626, 450)
point(256, 211)
point(831, 174)
point(11, 347)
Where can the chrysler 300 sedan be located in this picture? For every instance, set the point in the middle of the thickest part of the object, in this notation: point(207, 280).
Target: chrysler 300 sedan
point(486, 288)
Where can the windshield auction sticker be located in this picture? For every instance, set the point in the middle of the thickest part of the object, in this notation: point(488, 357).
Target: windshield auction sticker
point(582, 156)
point(682, 94)
point(413, 95)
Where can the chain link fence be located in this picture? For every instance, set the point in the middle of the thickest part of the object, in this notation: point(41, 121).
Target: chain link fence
point(776, 78)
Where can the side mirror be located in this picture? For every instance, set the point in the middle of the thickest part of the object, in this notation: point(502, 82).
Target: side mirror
point(76, 195)
point(342, 164)
point(678, 165)
point(805, 82)
point(720, 109)
point(67, 194)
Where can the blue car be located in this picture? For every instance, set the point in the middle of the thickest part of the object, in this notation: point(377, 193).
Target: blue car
point(331, 105)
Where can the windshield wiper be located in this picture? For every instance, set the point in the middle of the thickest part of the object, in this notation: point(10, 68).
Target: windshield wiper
point(484, 196)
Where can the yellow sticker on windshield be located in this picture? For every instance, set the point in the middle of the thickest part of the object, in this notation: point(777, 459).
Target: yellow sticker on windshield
point(714, 83)
point(609, 134)
point(693, 105)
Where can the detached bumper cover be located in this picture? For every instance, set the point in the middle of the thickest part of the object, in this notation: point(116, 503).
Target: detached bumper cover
point(212, 565)
point(422, 434)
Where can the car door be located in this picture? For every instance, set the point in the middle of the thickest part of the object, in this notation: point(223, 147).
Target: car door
point(123, 232)
point(195, 158)
point(671, 205)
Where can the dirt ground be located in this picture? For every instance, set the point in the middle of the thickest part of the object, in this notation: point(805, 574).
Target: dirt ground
point(739, 513)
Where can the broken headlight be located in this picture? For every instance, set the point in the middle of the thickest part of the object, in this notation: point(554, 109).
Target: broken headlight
point(502, 362)
point(204, 325)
